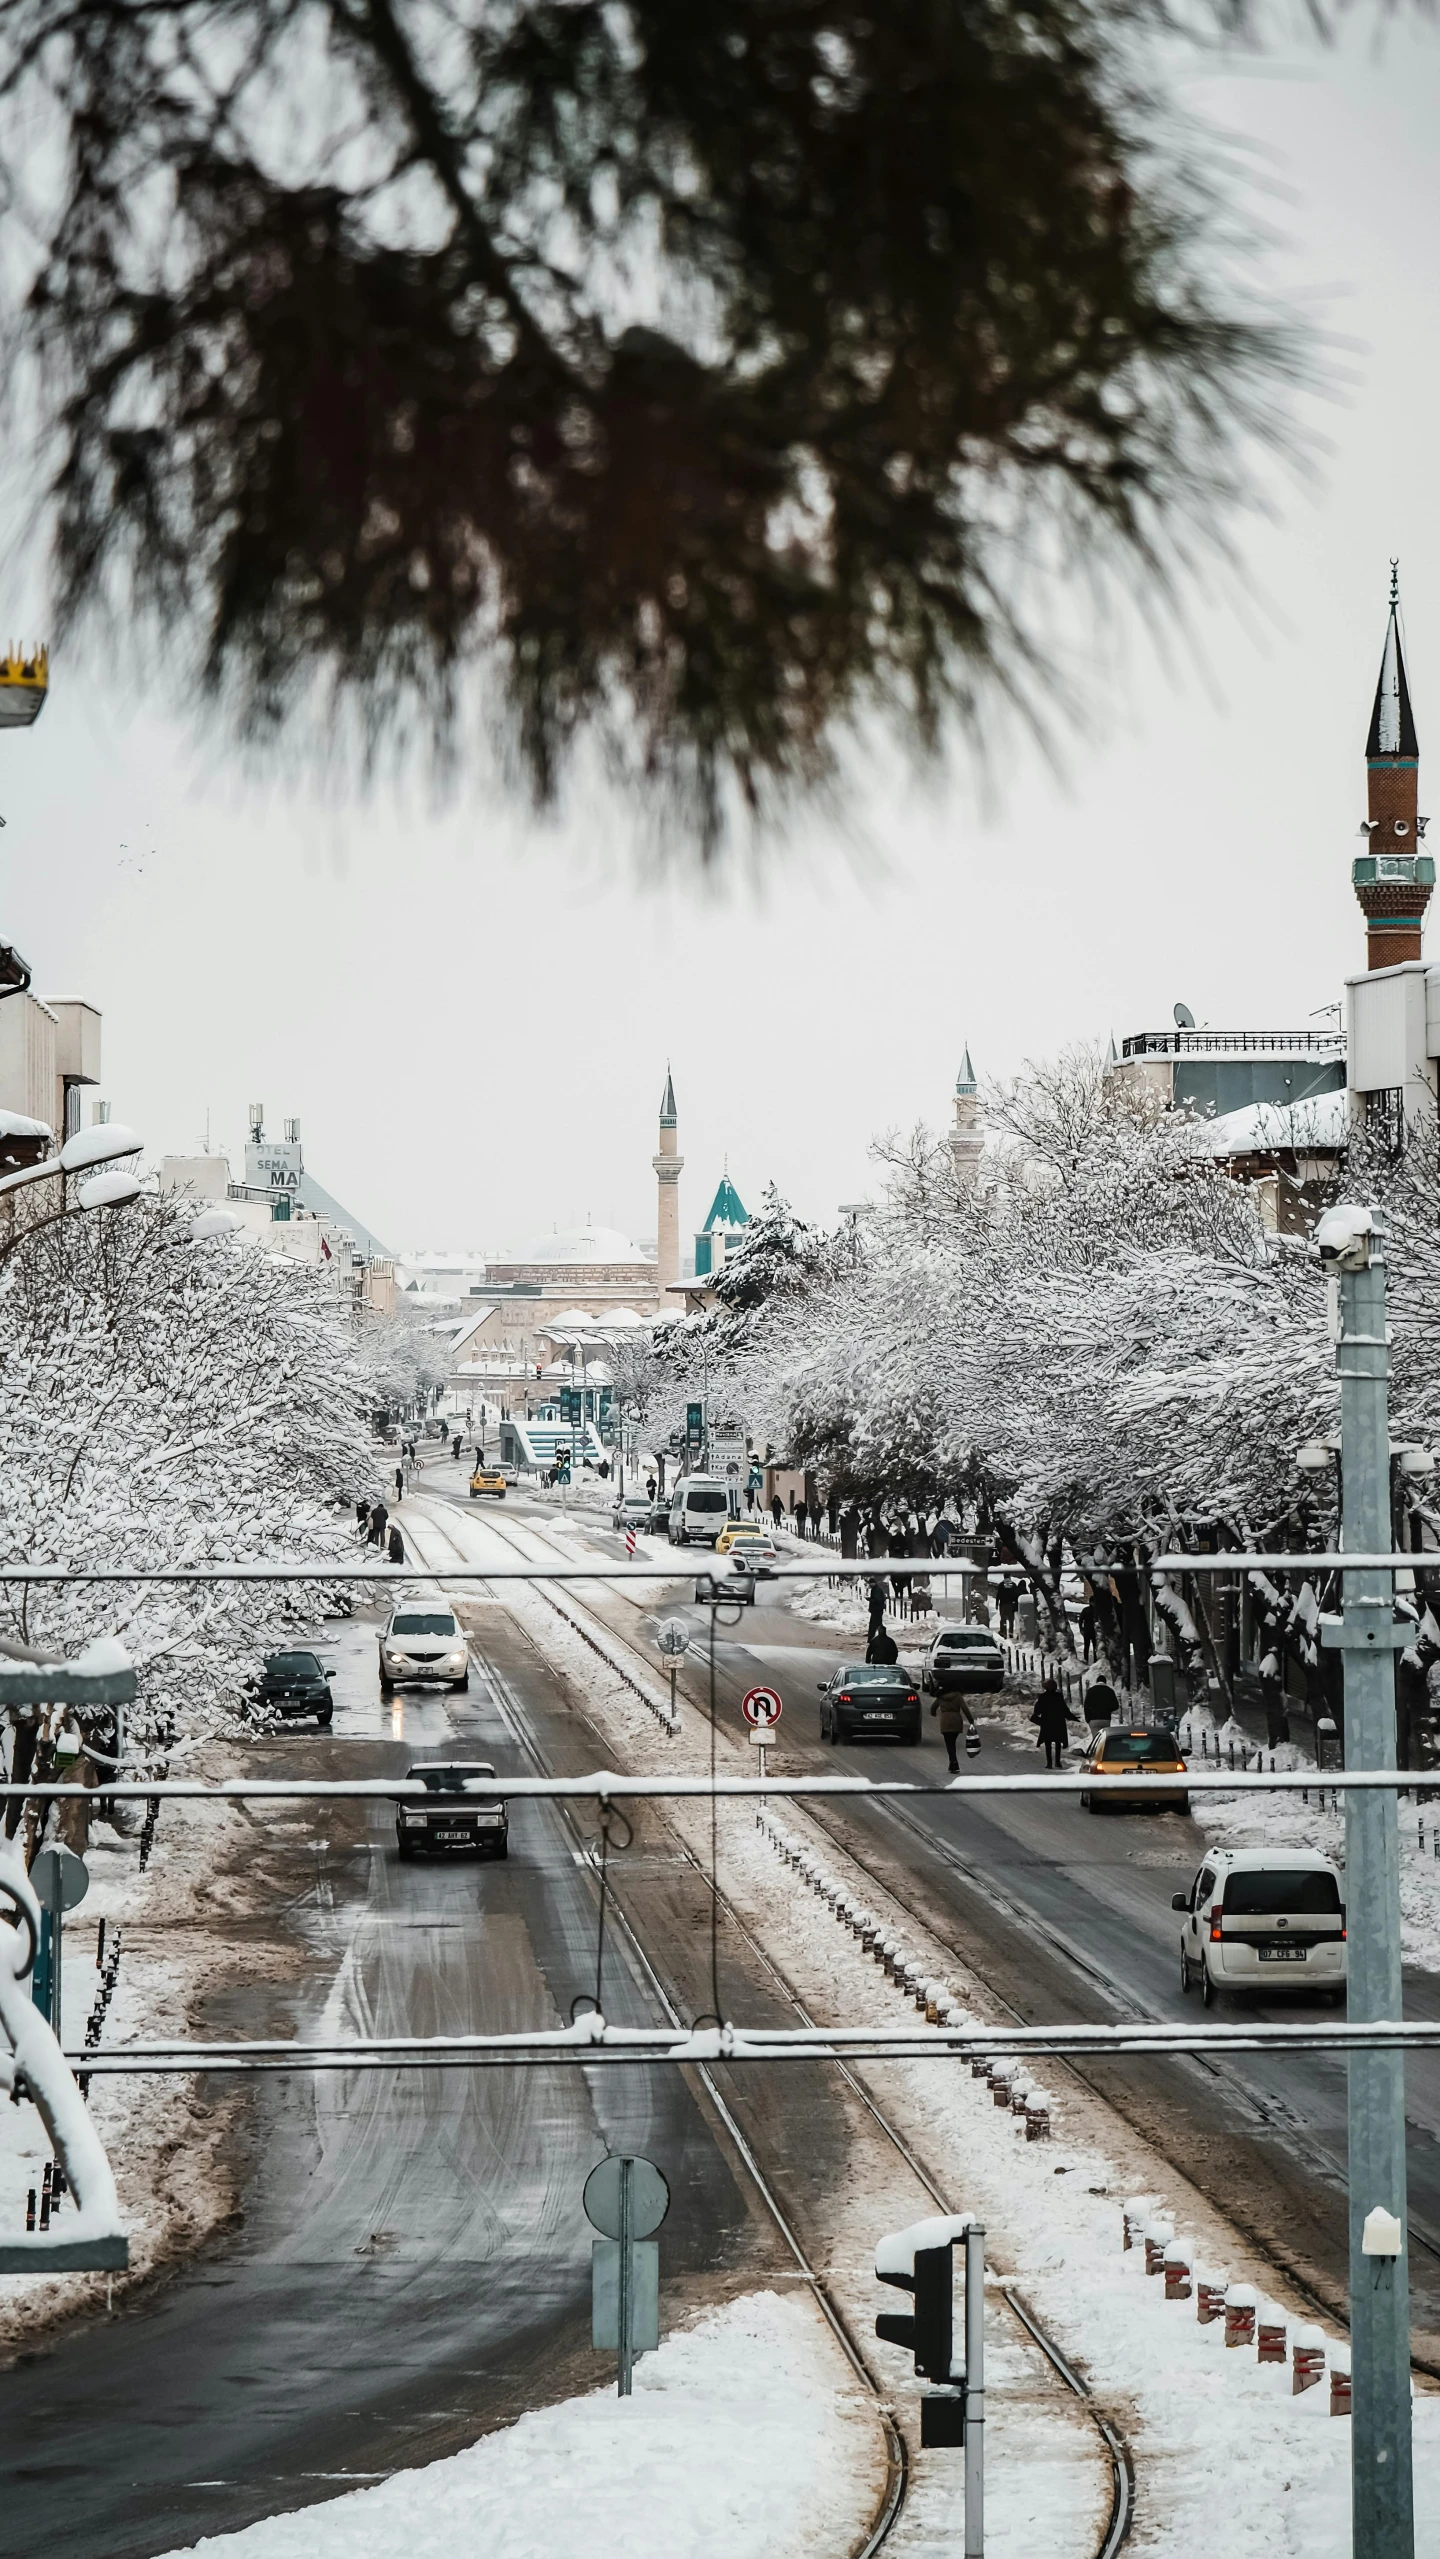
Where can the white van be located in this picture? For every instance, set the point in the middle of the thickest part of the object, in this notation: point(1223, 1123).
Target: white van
point(1263, 1919)
point(699, 1508)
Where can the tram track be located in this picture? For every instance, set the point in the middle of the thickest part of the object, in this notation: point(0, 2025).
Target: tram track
point(1117, 2452)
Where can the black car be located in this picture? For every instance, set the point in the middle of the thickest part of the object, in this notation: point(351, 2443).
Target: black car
point(454, 1819)
point(296, 1685)
point(869, 1699)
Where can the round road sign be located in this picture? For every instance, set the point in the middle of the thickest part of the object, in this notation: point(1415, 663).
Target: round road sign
point(761, 1706)
point(673, 1636)
point(649, 2197)
point(59, 1877)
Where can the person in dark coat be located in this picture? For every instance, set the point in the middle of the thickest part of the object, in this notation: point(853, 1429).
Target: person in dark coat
point(1052, 1715)
point(650, 1488)
point(879, 1593)
point(1087, 1630)
point(396, 1547)
point(399, 1484)
point(777, 1509)
point(455, 1448)
point(882, 1646)
point(801, 1515)
point(362, 1520)
point(1102, 1706)
point(379, 1521)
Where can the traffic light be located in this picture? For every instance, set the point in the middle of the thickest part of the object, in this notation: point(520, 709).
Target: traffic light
point(921, 2261)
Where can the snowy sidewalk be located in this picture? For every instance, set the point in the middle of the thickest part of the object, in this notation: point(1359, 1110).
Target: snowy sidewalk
point(747, 2437)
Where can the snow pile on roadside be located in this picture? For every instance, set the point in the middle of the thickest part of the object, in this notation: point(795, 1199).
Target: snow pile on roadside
point(847, 1611)
point(746, 2438)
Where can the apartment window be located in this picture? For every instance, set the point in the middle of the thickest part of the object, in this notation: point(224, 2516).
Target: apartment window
point(1385, 1116)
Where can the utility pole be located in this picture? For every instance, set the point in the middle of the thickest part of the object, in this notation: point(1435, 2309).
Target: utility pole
point(1382, 2484)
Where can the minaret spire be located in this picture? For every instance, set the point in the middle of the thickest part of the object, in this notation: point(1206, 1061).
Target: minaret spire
point(966, 1140)
point(669, 1164)
point(1393, 878)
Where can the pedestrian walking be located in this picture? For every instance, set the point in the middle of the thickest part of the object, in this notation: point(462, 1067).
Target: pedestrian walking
point(399, 1483)
point(955, 1718)
point(379, 1520)
point(1087, 1630)
point(1272, 1697)
point(777, 1511)
point(396, 1547)
point(650, 1488)
point(882, 1646)
point(455, 1448)
point(879, 1593)
point(1102, 1706)
point(800, 1516)
point(362, 1520)
point(1052, 1715)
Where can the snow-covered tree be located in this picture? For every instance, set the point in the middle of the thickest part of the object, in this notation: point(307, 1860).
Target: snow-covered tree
point(166, 1401)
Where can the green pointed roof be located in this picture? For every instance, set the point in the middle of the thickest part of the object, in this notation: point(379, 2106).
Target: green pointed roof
point(669, 1118)
point(965, 1080)
point(727, 1208)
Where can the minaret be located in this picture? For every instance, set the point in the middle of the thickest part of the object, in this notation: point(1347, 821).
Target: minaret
point(965, 1141)
point(1393, 878)
point(669, 1165)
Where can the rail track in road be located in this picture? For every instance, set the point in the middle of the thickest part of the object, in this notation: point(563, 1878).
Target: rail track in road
point(1117, 2453)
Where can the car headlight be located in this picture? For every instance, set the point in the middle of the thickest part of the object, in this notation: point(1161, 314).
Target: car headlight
point(413, 1821)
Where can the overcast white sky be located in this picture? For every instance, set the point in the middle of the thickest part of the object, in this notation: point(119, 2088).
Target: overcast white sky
point(471, 1014)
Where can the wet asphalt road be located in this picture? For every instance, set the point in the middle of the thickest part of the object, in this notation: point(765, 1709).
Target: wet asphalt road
point(414, 2261)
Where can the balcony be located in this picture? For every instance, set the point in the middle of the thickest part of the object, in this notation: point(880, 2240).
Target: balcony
point(1312, 1044)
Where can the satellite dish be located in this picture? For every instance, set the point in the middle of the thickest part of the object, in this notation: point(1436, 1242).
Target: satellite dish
point(1184, 1018)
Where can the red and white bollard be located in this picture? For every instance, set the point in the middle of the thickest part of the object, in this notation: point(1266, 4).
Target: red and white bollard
point(1137, 2213)
point(1307, 2355)
point(1210, 2291)
point(1340, 2382)
point(1178, 2263)
point(1270, 2335)
point(1240, 2308)
point(1159, 2235)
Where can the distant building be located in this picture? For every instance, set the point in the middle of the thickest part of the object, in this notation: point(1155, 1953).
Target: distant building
point(288, 1212)
point(49, 1062)
point(722, 1230)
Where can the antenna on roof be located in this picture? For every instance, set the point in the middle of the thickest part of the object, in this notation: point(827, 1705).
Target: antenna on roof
point(1184, 1018)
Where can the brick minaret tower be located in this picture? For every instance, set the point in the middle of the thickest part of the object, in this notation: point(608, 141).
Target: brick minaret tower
point(1392, 877)
point(669, 1165)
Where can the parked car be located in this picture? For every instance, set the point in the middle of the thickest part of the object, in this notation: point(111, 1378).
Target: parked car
point(878, 1700)
point(699, 1510)
point(660, 1515)
point(423, 1643)
point(1263, 1919)
point(1120, 1751)
point(487, 1479)
point(633, 1510)
point(964, 1658)
point(296, 1684)
point(454, 1819)
point(748, 1538)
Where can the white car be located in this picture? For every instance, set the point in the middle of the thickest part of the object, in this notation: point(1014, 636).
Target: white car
point(423, 1642)
point(1263, 1919)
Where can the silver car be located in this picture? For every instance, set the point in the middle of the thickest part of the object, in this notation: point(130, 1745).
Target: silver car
point(423, 1643)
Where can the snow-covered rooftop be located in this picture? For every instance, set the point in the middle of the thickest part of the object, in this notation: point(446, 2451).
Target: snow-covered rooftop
point(1314, 1127)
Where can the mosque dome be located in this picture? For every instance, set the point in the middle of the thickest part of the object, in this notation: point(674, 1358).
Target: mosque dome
point(581, 1244)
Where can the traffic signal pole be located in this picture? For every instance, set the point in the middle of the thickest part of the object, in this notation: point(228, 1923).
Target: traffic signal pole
point(1382, 2487)
point(974, 2392)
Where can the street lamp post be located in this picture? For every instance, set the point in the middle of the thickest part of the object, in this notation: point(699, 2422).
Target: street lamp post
point(1381, 2477)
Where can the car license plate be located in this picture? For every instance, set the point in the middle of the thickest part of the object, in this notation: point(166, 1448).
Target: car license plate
point(453, 1838)
point(1283, 1954)
point(872, 1718)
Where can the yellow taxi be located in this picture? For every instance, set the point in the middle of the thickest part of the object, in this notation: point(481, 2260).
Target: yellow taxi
point(487, 1479)
point(746, 1534)
point(1128, 1751)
